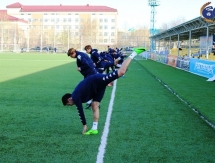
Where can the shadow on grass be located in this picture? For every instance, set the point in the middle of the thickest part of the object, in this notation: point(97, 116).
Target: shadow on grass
point(35, 126)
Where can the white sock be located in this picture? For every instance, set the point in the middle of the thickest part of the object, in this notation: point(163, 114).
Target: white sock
point(89, 102)
point(95, 125)
point(133, 54)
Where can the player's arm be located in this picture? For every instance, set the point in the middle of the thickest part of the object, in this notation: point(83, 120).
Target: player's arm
point(81, 115)
point(82, 63)
point(98, 57)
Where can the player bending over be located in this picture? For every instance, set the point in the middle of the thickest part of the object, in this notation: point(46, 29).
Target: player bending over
point(93, 87)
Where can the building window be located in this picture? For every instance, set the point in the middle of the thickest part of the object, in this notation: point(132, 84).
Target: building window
point(57, 20)
point(112, 40)
point(76, 19)
point(112, 27)
point(76, 14)
point(69, 13)
point(93, 14)
point(106, 34)
point(45, 14)
point(45, 27)
point(112, 33)
point(100, 27)
point(29, 13)
point(105, 27)
point(53, 13)
point(100, 34)
point(22, 14)
point(106, 20)
point(100, 40)
point(69, 19)
point(46, 20)
point(76, 33)
point(57, 27)
point(100, 20)
point(112, 20)
point(52, 20)
point(64, 20)
point(105, 41)
point(76, 27)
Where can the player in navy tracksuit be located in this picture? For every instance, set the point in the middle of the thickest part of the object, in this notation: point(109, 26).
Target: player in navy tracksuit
point(84, 63)
point(96, 58)
point(85, 66)
point(109, 61)
point(93, 87)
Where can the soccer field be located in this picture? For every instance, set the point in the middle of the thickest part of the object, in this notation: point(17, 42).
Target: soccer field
point(148, 123)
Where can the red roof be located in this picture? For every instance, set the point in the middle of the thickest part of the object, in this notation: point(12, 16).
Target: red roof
point(15, 5)
point(5, 17)
point(61, 8)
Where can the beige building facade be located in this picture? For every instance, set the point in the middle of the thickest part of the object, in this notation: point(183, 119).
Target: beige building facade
point(64, 26)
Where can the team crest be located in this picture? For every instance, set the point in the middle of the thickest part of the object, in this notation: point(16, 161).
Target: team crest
point(208, 13)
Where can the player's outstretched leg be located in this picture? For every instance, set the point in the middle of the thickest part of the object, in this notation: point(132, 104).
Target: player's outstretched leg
point(139, 50)
point(122, 70)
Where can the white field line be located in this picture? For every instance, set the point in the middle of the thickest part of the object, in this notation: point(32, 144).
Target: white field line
point(104, 137)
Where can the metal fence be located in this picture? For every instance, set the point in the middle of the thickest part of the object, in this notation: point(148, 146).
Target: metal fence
point(16, 37)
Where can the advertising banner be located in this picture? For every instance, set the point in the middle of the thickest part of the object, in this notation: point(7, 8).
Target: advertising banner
point(172, 60)
point(183, 63)
point(161, 58)
point(203, 68)
point(153, 56)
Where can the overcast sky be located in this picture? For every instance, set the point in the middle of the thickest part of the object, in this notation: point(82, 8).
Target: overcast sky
point(132, 13)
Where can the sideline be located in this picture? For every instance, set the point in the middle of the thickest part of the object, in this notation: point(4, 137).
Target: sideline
point(104, 137)
point(183, 100)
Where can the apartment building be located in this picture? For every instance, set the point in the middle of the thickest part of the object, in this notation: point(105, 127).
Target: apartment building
point(63, 26)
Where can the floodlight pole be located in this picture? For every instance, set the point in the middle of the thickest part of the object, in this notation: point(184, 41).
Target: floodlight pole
point(14, 40)
point(54, 36)
point(153, 4)
point(41, 38)
point(68, 38)
point(28, 39)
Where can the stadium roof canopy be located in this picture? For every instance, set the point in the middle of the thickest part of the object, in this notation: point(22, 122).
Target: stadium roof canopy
point(197, 26)
point(61, 8)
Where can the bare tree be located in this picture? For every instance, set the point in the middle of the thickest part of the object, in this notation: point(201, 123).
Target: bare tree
point(172, 23)
point(134, 38)
point(3, 24)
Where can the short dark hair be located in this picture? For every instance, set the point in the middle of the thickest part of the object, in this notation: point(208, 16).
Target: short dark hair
point(71, 51)
point(87, 47)
point(65, 98)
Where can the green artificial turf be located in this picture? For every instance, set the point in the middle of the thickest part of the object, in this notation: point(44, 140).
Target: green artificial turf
point(194, 89)
point(148, 122)
point(34, 125)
